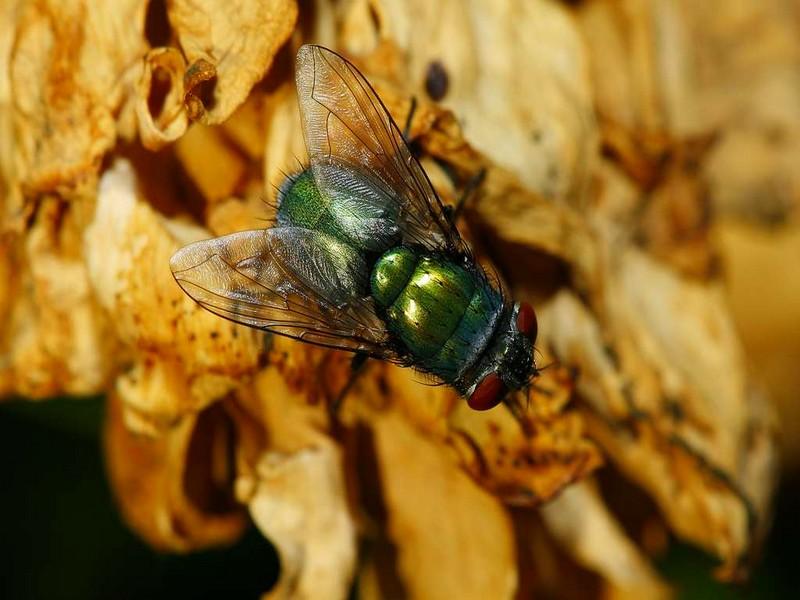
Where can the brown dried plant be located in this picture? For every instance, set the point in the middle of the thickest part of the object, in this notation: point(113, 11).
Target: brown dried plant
point(611, 136)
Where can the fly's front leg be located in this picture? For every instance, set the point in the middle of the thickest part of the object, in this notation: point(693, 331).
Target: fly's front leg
point(517, 410)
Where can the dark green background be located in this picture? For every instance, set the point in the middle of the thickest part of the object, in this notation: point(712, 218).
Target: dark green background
point(60, 536)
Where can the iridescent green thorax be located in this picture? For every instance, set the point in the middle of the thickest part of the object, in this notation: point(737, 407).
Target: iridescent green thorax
point(302, 205)
point(443, 313)
point(350, 208)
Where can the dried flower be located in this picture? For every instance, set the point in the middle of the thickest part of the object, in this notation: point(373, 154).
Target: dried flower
point(609, 147)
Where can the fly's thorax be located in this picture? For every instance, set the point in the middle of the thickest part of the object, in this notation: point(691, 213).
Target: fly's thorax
point(350, 268)
point(442, 311)
point(343, 202)
point(300, 204)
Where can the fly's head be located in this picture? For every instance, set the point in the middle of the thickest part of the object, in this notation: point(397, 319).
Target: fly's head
point(509, 363)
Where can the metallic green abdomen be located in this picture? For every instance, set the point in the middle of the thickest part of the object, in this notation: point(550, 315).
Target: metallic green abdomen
point(441, 312)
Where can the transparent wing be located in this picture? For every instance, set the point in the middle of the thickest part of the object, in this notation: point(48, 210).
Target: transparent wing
point(344, 122)
point(287, 280)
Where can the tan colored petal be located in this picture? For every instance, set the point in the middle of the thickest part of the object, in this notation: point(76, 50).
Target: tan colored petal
point(67, 71)
point(517, 77)
point(769, 322)
point(677, 420)
point(184, 357)
point(214, 166)
point(526, 468)
point(55, 339)
point(229, 46)
point(584, 527)
point(299, 497)
point(11, 167)
point(175, 490)
point(453, 539)
point(160, 112)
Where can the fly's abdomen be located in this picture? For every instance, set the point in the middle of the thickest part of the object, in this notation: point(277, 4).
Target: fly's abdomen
point(441, 312)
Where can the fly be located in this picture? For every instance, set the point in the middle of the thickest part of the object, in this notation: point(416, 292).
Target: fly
point(364, 257)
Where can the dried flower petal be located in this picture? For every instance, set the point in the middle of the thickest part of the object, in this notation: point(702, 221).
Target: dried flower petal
point(537, 120)
point(67, 71)
point(452, 538)
point(55, 339)
point(160, 112)
point(581, 524)
point(127, 252)
point(660, 431)
point(228, 46)
point(299, 498)
point(175, 489)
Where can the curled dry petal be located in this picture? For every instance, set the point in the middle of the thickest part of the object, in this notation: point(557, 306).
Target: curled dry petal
point(660, 431)
point(537, 121)
point(582, 524)
point(160, 111)
point(175, 489)
point(55, 339)
point(453, 539)
point(229, 46)
point(526, 468)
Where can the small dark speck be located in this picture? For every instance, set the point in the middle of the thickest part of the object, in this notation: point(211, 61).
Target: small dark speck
point(214, 335)
point(383, 386)
point(436, 81)
point(536, 135)
point(674, 410)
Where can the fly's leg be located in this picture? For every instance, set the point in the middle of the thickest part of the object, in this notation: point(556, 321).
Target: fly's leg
point(407, 126)
point(470, 189)
point(517, 410)
point(542, 390)
point(473, 183)
point(356, 369)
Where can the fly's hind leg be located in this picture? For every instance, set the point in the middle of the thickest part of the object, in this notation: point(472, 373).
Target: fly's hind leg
point(470, 189)
point(357, 365)
point(407, 127)
point(473, 183)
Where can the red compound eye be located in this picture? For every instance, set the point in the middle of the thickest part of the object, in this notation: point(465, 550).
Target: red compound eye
point(526, 321)
point(488, 393)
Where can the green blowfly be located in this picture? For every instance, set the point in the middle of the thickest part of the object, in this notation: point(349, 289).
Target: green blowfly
point(363, 256)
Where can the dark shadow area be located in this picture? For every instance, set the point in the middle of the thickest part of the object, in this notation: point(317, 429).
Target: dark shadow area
point(63, 538)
